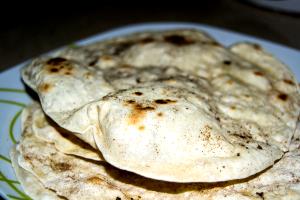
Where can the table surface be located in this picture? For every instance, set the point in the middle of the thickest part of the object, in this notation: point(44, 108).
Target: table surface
point(35, 31)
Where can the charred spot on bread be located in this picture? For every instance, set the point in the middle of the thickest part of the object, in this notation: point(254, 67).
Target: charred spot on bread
point(283, 96)
point(56, 61)
point(178, 40)
point(146, 40)
point(138, 93)
point(258, 73)
point(227, 62)
point(290, 82)
point(164, 101)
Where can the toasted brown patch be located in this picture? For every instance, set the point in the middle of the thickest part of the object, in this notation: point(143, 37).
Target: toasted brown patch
point(146, 40)
point(138, 93)
point(227, 62)
point(283, 96)
point(61, 166)
point(138, 113)
point(45, 87)
point(206, 133)
point(257, 73)
point(88, 75)
point(60, 66)
point(257, 47)
point(230, 82)
point(106, 58)
point(290, 82)
point(178, 40)
point(242, 135)
point(93, 62)
point(54, 70)
point(138, 80)
point(164, 101)
point(27, 157)
point(260, 194)
point(68, 69)
point(56, 61)
point(95, 180)
point(160, 114)
point(141, 128)
point(130, 101)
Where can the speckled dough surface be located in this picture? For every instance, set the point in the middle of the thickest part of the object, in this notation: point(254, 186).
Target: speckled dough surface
point(67, 176)
point(29, 182)
point(159, 103)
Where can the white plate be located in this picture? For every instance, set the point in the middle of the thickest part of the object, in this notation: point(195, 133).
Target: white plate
point(13, 97)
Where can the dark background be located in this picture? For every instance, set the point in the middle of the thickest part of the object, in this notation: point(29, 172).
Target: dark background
point(29, 30)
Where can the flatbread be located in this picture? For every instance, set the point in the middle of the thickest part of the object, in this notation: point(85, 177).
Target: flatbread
point(63, 140)
point(295, 144)
point(194, 105)
point(30, 184)
point(68, 176)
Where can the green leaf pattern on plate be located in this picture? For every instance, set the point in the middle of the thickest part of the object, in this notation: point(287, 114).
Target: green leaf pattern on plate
point(13, 184)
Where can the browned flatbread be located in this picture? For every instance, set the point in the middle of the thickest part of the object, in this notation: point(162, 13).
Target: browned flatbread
point(55, 173)
point(159, 103)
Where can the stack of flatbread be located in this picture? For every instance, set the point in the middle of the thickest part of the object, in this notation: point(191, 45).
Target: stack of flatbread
point(160, 115)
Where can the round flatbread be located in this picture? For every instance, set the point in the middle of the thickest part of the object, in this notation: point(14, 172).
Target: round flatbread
point(194, 105)
point(76, 178)
point(30, 184)
point(63, 140)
